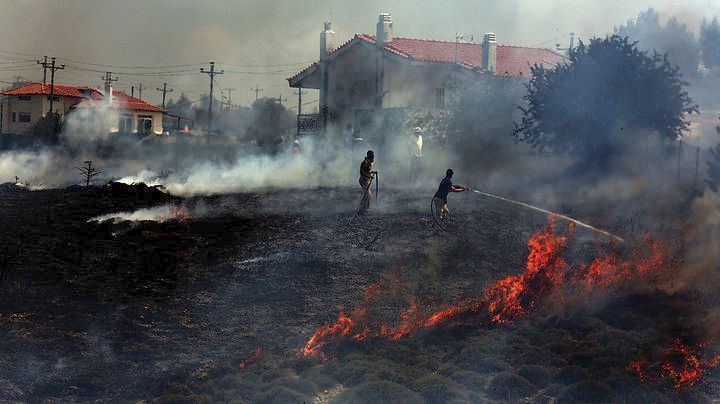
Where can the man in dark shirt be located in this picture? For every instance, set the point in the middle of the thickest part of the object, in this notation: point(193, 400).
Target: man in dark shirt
point(440, 197)
point(366, 176)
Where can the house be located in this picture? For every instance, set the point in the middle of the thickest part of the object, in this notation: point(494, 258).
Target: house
point(382, 71)
point(131, 115)
point(23, 106)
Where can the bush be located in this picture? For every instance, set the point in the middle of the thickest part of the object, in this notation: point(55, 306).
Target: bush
point(379, 393)
point(509, 386)
point(437, 389)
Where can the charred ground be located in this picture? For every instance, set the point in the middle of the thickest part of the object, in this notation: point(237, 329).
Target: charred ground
point(178, 309)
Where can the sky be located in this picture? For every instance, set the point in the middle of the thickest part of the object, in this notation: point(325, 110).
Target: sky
point(262, 42)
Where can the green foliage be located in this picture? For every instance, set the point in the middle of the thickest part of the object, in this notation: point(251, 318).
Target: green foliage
point(47, 129)
point(603, 102)
point(673, 38)
point(713, 168)
point(710, 42)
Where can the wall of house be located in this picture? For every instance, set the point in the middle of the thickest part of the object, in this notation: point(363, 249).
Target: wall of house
point(134, 116)
point(405, 84)
point(38, 106)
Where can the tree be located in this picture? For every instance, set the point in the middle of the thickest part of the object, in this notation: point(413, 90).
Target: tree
point(710, 43)
point(605, 99)
point(673, 38)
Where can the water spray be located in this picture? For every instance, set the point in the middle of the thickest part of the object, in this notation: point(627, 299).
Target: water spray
point(579, 223)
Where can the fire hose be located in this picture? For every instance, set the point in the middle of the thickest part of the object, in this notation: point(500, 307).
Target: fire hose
point(365, 195)
point(525, 205)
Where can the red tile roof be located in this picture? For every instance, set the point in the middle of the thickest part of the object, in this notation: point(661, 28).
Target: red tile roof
point(511, 60)
point(60, 90)
point(122, 101)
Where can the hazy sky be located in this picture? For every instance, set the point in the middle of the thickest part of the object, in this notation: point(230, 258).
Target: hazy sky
point(250, 38)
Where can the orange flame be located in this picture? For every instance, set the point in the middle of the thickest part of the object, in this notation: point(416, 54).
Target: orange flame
point(251, 359)
point(682, 365)
point(507, 299)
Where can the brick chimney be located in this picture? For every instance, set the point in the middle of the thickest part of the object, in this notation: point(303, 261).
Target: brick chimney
point(327, 41)
point(489, 60)
point(384, 32)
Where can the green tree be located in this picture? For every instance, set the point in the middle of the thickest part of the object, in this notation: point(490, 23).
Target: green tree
point(710, 42)
point(604, 100)
point(673, 38)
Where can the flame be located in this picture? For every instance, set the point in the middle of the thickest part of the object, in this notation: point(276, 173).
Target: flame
point(682, 365)
point(252, 358)
point(508, 299)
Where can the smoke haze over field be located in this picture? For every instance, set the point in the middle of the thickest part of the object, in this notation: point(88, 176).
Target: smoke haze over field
point(263, 33)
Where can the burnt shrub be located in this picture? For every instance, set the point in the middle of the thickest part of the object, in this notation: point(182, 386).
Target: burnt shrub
point(281, 395)
point(587, 391)
point(509, 386)
point(379, 393)
point(437, 389)
point(537, 375)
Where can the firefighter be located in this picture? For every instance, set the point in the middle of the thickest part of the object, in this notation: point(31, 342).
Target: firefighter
point(366, 176)
point(416, 151)
point(440, 197)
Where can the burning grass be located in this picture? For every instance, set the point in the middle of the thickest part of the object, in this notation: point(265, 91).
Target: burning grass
point(547, 276)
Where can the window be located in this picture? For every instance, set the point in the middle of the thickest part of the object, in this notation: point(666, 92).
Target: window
point(440, 98)
point(24, 117)
point(125, 124)
point(24, 97)
point(14, 117)
point(55, 98)
point(144, 125)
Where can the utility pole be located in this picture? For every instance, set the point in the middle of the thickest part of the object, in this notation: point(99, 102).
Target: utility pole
point(108, 79)
point(164, 91)
point(211, 73)
point(53, 68)
point(132, 91)
point(257, 90)
point(299, 93)
point(44, 64)
point(280, 99)
point(140, 88)
point(229, 97)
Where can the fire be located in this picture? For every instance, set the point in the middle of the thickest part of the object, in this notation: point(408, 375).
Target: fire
point(177, 214)
point(352, 326)
point(611, 269)
point(682, 365)
point(545, 274)
point(252, 358)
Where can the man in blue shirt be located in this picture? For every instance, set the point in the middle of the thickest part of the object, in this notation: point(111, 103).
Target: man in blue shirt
point(440, 198)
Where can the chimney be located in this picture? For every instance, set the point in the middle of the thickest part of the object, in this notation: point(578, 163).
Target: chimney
point(384, 34)
point(327, 41)
point(108, 92)
point(489, 60)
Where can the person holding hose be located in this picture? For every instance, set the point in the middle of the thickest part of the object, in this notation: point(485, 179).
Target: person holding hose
point(366, 177)
point(440, 198)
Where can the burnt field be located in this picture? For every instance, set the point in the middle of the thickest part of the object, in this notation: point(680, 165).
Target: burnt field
point(218, 300)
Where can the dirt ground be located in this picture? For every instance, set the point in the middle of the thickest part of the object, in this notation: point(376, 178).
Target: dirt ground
point(175, 310)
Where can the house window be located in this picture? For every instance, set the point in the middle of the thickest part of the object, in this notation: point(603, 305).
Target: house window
point(14, 117)
point(24, 97)
point(125, 124)
point(55, 98)
point(24, 117)
point(144, 125)
point(440, 98)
